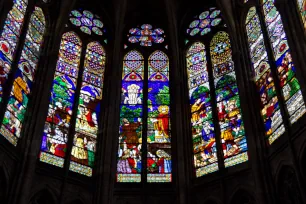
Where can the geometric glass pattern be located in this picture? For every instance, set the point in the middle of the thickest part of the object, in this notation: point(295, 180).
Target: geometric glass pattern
point(203, 131)
point(129, 163)
point(86, 21)
point(233, 139)
point(270, 110)
point(62, 99)
point(286, 69)
point(146, 36)
point(159, 163)
point(24, 78)
point(9, 39)
point(302, 7)
point(205, 22)
point(156, 119)
point(86, 128)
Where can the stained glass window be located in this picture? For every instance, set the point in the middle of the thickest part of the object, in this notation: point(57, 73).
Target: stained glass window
point(270, 110)
point(146, 36)
point(286, 70)
point(86, 129)
point(233, 138)
point(129, 162)
point(156, 119)
point(159, 163)
point(9, 39)
point(205, 22)
point(86, 21)
point(211, 73)
point(302, 8)
point(62, 99)
point(203, 131)
point(24, 78)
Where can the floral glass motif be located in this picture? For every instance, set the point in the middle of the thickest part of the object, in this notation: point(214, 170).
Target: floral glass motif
point(204, 23)
point(203, 131)
point(286, 70)
point(62, 99)
point(146, 36)
point(270, 110)
point(233, 137)
point(130, 131)
point(159, 163)
point(9, 39)
point(86, 21)
point(86, 128)
point(24, 78)
point(302, 8)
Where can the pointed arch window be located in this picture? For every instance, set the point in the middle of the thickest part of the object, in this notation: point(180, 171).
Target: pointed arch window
point(216, 118)
point(71, 127)
point(144, 132)
point(278, 87)
point(24, 76)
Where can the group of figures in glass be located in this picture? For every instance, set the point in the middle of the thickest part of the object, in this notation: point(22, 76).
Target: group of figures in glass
point(145, 129)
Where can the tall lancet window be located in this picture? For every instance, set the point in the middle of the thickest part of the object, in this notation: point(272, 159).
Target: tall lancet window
point(74, 109)
point(270, 110)
point(216, 117)
point(24, 76)
point(144, 152)
point(286, 92)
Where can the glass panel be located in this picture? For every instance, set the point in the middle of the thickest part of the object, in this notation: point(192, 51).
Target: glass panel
point(85, 138)
point(203, 134)
point(130, 131)
point(54, 144)
point(285, 66)
point(233, 137)
point(24, 78)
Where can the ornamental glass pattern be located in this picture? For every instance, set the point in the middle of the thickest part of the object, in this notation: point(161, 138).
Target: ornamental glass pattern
point(86, 128)
point(270, 110)
point(302, 8)
point(62, 99)
point(286, 70)
point(203, 131)
point(24, 78)
point(233, 138)
point(9, 39)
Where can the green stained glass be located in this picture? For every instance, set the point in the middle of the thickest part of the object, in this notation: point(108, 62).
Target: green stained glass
point(85, 30)
point(194, 23)
point(205, 31)
point(97, 31)
point(203, 15)
point(76, 13)
point(98, 23)
point(75, 21)
point(216, 22)
point(88, 14)
point(194, 31)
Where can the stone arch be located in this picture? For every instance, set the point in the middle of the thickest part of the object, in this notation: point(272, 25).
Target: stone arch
point(43, 197)
point(287, 186)
point(242, 197)
point(302, 158)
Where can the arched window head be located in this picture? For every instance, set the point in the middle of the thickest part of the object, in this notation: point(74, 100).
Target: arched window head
point(9, 39)
point(144, 132)
point(302, 8)
point(62, 100)
point(24, 78)
point(214, 97)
